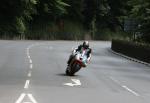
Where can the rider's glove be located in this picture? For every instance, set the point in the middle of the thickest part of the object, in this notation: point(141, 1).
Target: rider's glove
point(88, 60)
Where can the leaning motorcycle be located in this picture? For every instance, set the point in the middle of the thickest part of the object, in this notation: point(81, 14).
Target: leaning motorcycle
point(77, 63)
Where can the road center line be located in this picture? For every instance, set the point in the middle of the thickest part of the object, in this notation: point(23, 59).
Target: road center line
point(27, 84)
point(20, 98)
point(31, 66)
point(29, 74)
point(29, 56)
point(130, 90)
point(30, 61)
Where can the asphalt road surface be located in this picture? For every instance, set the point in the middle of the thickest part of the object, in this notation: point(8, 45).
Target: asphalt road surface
point(34, 72)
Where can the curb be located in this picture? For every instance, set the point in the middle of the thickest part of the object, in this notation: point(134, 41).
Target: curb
point(129, 58)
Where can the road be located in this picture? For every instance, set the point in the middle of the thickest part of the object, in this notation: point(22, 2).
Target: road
point(34, 72)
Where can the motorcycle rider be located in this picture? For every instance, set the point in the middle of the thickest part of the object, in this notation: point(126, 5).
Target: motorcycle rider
point(84, 46)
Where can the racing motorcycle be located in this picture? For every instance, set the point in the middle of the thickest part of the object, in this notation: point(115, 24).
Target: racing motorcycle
point(77, 63)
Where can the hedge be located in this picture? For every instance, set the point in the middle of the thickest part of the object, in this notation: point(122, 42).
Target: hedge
point(132, 49)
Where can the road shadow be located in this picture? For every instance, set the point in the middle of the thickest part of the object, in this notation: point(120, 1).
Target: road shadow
point(64, 75)
point(61, 74)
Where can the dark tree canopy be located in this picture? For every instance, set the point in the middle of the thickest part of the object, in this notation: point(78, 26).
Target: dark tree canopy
point(17, 16)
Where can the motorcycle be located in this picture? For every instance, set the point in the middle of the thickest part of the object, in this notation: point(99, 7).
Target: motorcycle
point(79, 61)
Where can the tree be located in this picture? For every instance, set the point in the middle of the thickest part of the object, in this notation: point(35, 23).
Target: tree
point(74, 11)
point(118, 10)
point(51, 9)
point(14, 14)
point(141, 12)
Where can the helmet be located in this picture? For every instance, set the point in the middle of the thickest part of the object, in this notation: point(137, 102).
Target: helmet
point(86, 44)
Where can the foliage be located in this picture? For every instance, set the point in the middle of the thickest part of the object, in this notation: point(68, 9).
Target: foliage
point(14, 14)
point(103, 19)
point(141, 12)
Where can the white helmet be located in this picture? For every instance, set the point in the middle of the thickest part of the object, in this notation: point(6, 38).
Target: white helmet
point(86, 44)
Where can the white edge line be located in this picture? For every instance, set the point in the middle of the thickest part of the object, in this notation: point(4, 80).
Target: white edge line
point(27, 84)
point(32, 98)
point(131, 91)
point(20, 98)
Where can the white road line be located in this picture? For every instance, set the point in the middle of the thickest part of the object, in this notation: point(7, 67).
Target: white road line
point(123, 86)
point(29, 56)
point(76, 83)
point(27, 84)
point(31, 66)
point(32, 98)
point(29, 74)
point(130, 90)
point(20, 98)
point(30, 61)
point(115, 80)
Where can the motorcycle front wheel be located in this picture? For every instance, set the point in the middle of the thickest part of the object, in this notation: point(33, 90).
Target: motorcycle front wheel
point(69, 72)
